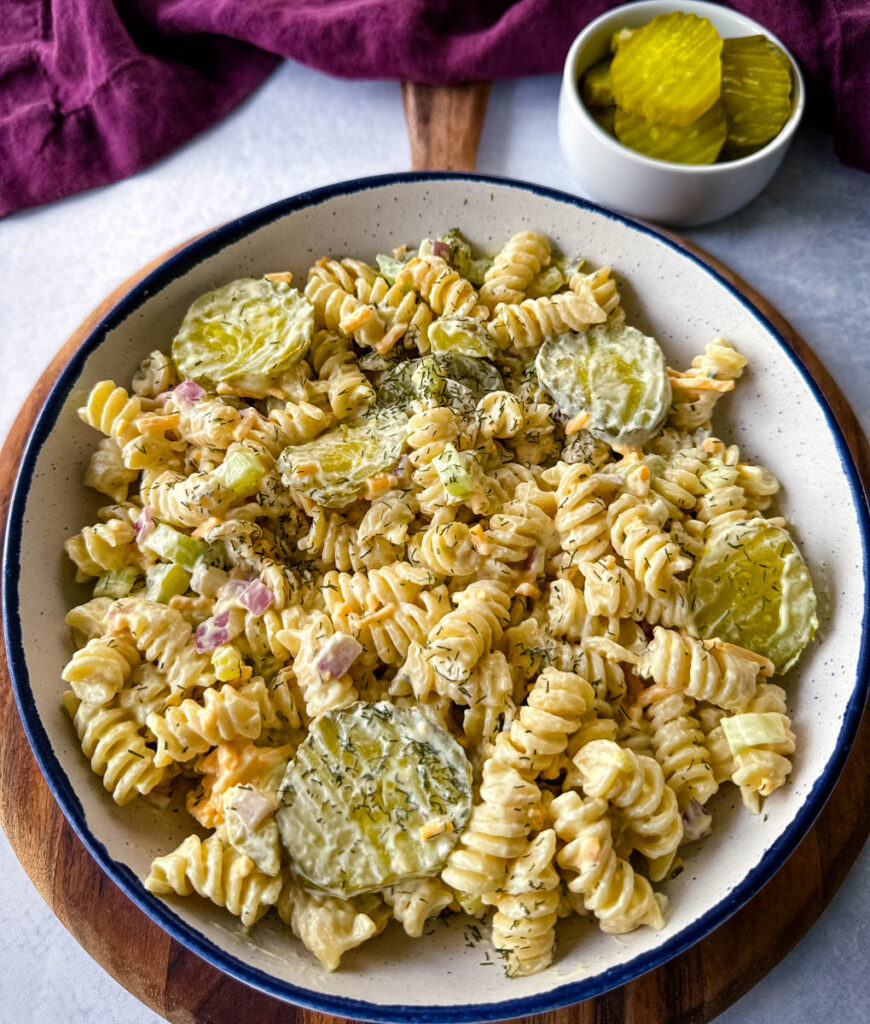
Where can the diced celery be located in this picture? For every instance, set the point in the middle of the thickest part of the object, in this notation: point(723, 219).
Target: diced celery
point(390, 267)
point(227, 663)
point(240, 472)
point(173, 546)
point(165, 581)
point(753, 729)
point(117, 583)
point(455, 476)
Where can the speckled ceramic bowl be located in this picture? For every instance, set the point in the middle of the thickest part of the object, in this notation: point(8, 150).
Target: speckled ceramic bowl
point(776, 413)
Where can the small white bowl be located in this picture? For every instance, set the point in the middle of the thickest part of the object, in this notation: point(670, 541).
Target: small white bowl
point(678, 194)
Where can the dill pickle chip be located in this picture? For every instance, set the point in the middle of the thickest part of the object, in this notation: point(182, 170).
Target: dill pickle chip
point(333, 468)
point(461, 335)
point(374, 796)
point(244, 334)
point(751, 587)
point(597, 90)
point(669, 70)
point(448, 378)
point(697, 143)
point(614, 373)
point(756, 92)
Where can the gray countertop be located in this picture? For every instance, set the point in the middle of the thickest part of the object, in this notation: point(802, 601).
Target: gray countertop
point(804, 244)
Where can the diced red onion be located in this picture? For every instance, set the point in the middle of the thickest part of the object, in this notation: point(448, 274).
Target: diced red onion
point(252, 807)
point(697, 822)
point(189, 391)
point(534, 560)
point(210, 635)
point(219, 629)
point(256, 597)
point(144, 525)
point(338, 653)
point(441, 249)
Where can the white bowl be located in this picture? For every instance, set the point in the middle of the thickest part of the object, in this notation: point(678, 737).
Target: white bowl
point(669, 193)
point(776, 413)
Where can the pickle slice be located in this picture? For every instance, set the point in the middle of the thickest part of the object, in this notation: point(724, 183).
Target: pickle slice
point(756, 92)
point(374, 796)
point(698, 143)
point(669, 70)
point(597, 90)
point(461, 335)
point(448, 378)
point(751, 587)
point(614, 373)
point(244, 334)
point(333, 468)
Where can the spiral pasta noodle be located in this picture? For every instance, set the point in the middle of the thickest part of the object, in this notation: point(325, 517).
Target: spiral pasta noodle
point(511, 273)
point(218, 873)
point(679, 742)
point(634, 785)
point(445, 291)
point(333, 360)
point(112, 411)
point(107, 472)
point(723, 674)
point(620, 899)
point(525, 325)
point(459, 640)
point(524, 924)
point(111, 741)
point(99, 670)
point(337, 309)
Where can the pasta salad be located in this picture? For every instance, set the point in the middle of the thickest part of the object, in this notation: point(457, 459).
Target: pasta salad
point(428, 589)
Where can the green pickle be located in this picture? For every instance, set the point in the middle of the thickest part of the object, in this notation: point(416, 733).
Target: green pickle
point(697, 143)
point(669, 70)
point(597, 89)
point(333, 469)
point(756, 92)
point(448, 378)
point(751, 587)
point(461, 335)
point(375, 795)
point(244, 335)
point(616, 374)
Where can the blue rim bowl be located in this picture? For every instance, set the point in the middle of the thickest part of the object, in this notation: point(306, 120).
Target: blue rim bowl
point(158, 910)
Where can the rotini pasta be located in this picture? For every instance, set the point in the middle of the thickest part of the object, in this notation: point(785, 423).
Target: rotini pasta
point(402, 522)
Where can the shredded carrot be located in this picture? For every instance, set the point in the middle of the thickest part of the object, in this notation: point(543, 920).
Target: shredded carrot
point(390, 338)
point(381, 613)
point(379, 483)
point(721, 645)
point(152, 424)
point(357, 319)
point(577, 423)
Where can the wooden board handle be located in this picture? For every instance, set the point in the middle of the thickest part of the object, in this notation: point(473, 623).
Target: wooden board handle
point(444, 124)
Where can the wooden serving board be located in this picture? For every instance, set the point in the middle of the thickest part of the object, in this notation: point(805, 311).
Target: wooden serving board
point(692, 988)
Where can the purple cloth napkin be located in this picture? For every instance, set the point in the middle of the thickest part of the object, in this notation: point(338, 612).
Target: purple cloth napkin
point(94, 90)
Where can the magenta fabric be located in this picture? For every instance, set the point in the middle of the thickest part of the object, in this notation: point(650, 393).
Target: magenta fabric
point(94, 90)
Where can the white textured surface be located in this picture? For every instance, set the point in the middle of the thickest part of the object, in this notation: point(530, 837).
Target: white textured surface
point(804, 244)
